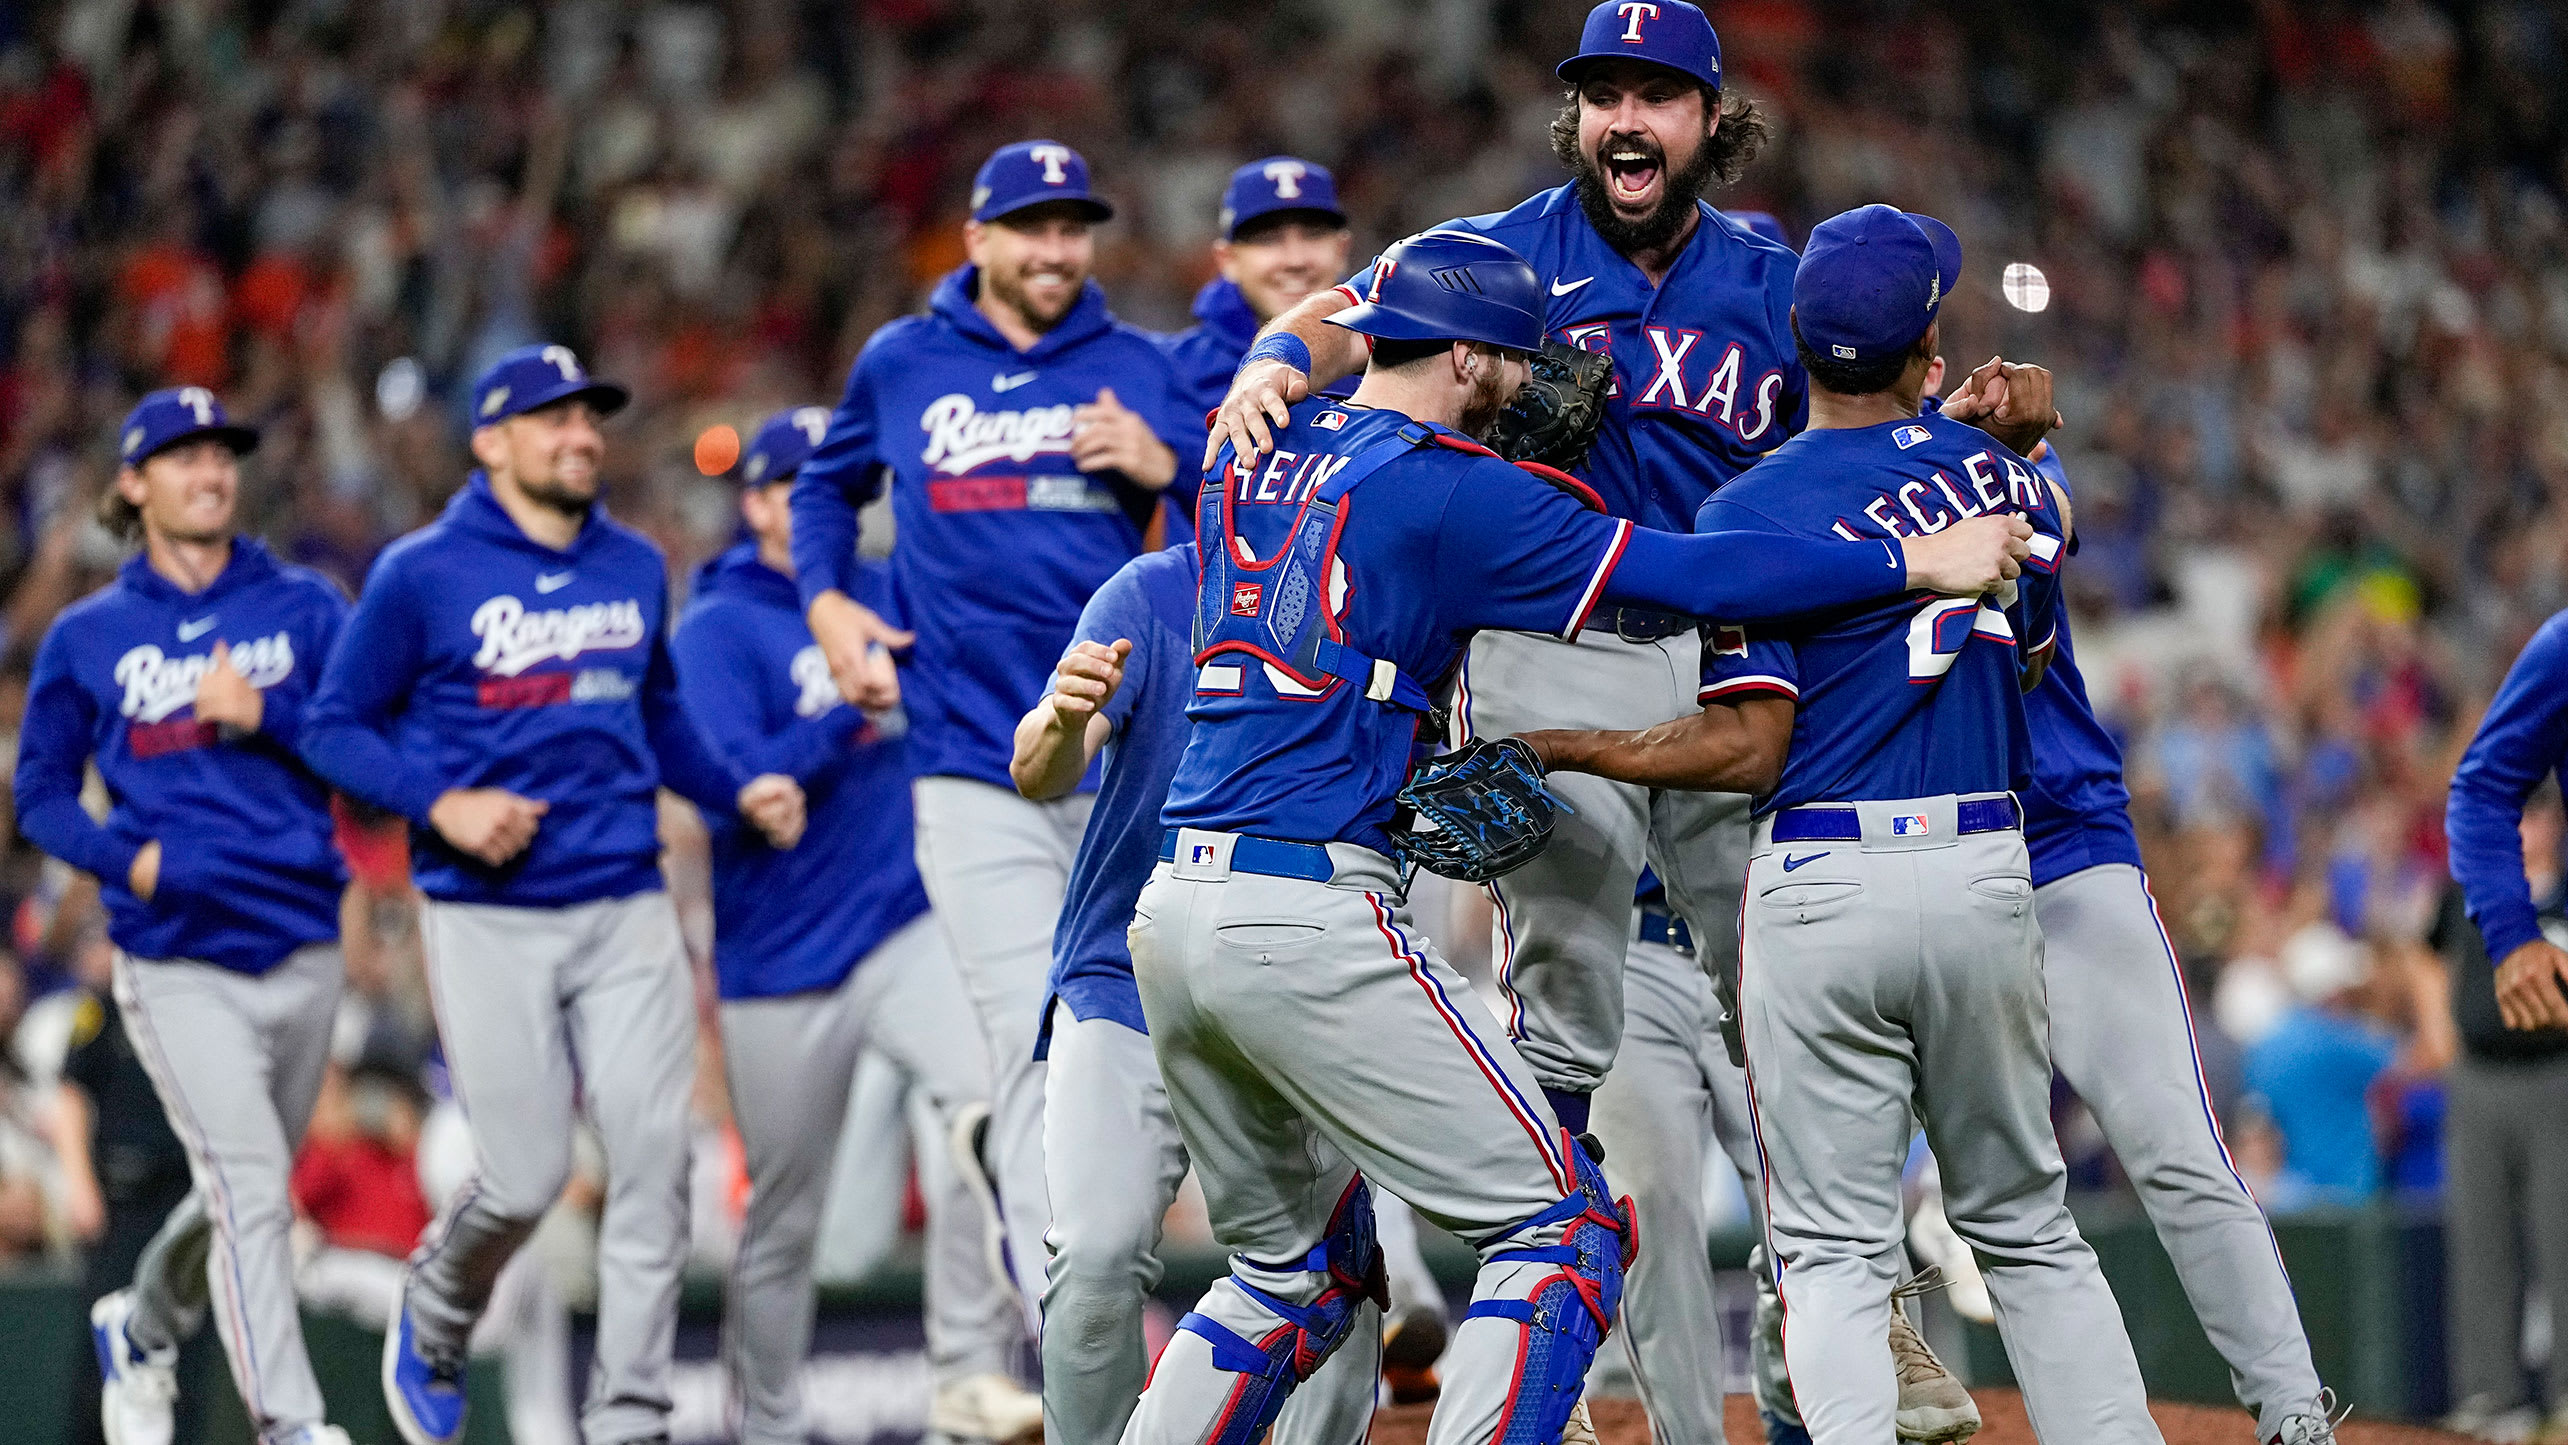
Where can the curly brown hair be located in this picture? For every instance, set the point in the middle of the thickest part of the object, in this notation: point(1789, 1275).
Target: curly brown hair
point(1742, 133)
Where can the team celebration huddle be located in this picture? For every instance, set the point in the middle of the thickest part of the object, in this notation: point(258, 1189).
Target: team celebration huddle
point(1604, 553)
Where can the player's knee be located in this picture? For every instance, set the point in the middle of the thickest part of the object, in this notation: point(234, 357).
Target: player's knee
point(1580, 1249)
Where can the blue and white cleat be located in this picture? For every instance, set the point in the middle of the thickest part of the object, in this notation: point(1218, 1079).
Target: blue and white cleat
point(426, 1396)
point(138, 1390)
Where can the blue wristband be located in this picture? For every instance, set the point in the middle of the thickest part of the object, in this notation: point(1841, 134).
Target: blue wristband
point(1281, 346)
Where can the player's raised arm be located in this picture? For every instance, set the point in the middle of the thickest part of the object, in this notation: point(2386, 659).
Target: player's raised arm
point(1064, 731)
point(1296, 354)
point(1750, 576)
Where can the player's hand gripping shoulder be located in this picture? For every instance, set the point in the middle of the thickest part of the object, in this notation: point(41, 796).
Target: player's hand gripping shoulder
point(225, 698)
point(858, 643)
point(1057, 739)
point(1259, 404)
point(773, 804)
point(2011, 403)
point(489, 824)
point(1972, 556)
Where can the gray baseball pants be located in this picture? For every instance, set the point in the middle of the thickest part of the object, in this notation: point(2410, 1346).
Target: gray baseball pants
point(1115, 1160)
point(543, 1011)
point(2505, 1228)
point(1564, 918)
point(1307, 1031)
point(237, 1061)
point(791, 1062)
point(1672, 1092)
point(1904, 972)
point(996, 867)
point(2123, 1037)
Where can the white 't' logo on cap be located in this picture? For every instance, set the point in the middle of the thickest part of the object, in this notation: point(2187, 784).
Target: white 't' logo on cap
point(1054, 158)
point(1287, 176)
point(1633, 13)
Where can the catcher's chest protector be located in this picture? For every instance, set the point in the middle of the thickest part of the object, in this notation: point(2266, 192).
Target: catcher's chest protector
point(1276, 612)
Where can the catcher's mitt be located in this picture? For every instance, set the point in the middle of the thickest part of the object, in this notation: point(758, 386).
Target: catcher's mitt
point(1479, 812)
point(1553, 418)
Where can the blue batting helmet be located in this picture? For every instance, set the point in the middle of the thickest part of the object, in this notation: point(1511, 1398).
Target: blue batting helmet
point(1451, 286)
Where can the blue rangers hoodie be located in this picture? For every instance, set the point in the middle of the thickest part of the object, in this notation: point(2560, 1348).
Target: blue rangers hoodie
point(248, 873)
point(1001, 541)
point(478, 657)
point(758, 689)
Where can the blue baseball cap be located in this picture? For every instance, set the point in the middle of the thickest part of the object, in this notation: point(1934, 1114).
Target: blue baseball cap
point(1669, 33)
point(181, 413)
point(783, 443)
point(1761, 222)
point(534, 377)
point(1450, 286)
point(1030, 173)
point(1872, 280)
point(1274, 186)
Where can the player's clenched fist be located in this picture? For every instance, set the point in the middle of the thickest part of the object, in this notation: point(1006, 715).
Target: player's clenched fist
point(491, 824)
point(773, 804)
point(1260, 396)
point(1089, 674)
point(225, 697)
point(1969, 557)
point(857, 642)
point(1109, 436)
point(2011, 403)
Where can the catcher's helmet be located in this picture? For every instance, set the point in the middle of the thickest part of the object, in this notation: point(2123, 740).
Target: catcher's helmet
point(1451, 286)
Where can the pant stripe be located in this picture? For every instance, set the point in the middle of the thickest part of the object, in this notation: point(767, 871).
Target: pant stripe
point(245, 1358)
point(2193, 1049)
point(1506, 940)
point(1526, 1116)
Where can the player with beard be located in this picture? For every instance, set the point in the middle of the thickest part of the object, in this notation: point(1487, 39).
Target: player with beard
point(1693, 307)
point(1028, 435)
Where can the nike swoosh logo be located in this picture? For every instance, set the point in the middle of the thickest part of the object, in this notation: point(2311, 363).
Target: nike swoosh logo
point(552, 582)
point(1790, 862)
point(1563, 288)
point(1011, 383)
point(190, 631)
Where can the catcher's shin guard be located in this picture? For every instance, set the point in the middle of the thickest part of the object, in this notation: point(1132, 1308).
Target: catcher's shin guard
point(1303, 1336)
point(1567, 1313)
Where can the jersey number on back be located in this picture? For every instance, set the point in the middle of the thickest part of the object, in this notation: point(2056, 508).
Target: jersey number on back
point(1936, 635)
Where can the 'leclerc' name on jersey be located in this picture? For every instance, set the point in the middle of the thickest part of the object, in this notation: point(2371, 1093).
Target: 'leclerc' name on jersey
point(1926, 505)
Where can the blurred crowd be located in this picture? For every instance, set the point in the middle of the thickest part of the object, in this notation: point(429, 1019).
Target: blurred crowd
point(2306, 294)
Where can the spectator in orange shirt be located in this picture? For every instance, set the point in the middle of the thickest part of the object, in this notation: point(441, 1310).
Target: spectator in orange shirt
point(177, 316)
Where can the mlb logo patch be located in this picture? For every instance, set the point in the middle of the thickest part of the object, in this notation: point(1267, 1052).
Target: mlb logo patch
point(1201, 853)
point(1330, 421)
point(1245, 597)
point(1909, 436)
point(1730, 641)
point(1908, 825)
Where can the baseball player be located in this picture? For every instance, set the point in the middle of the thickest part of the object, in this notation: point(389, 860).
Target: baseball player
point(1889, 954)
point(1283, 240)
point(1028, 435)
point(505, 685)
point(1309, 1038)
point(821, 952)
point(185, 680)
point(2122, 1035)
point(1691, 305)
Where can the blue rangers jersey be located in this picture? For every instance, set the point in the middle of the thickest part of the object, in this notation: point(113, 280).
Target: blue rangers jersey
point(248, 873)
point(1915, 696)
point(2077, 814)
point(1706, 379)
point(1001, 540)
point(1437, 543)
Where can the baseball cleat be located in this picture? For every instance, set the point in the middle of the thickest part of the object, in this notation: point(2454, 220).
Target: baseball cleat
point(986, 1407)
point(1933, 1406)
point(425, 1397)
point(1413, 1339)
point(2314, 1425)
point(2482, 1419)
point(1579, 1430)
point(138, 1389)
point(967, 1144)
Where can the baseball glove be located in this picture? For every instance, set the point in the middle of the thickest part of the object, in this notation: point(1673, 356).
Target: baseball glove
point(1552, 419)
point(1478, 812)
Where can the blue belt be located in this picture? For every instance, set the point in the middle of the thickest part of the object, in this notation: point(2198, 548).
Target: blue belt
point(1270, 857)
point(1836, 823)
point(1665, 929)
